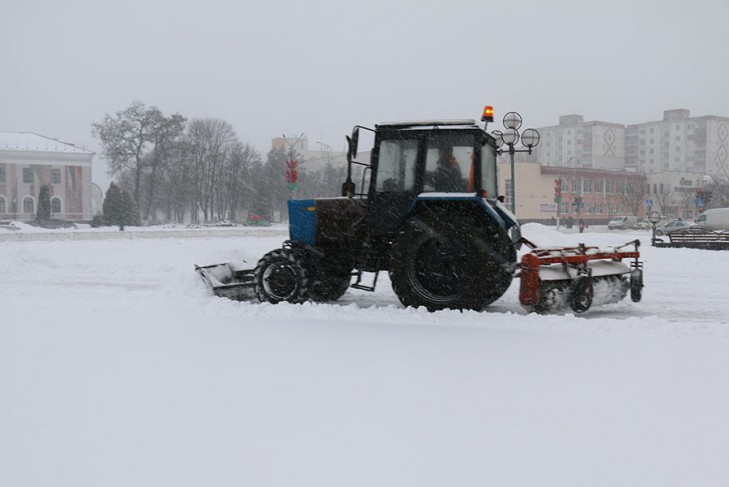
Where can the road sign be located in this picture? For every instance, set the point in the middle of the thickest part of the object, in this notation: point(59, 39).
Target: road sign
point(649, 203)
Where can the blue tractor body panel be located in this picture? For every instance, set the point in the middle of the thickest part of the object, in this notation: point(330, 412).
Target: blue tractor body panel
point(302, 221)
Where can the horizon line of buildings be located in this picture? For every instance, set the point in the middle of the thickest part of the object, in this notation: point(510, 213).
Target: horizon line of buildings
point(669, 159)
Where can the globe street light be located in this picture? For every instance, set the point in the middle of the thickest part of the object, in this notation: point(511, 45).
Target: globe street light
point(510, 137)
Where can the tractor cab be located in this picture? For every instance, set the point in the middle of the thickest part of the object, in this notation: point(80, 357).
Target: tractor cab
point(412, 162)
point(436, 156)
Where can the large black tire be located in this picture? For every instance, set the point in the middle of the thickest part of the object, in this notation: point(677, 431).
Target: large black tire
point(443, 264)
point(282, 275)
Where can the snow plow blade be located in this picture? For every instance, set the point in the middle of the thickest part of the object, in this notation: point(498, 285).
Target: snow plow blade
point(227, 282)
point(556, 279)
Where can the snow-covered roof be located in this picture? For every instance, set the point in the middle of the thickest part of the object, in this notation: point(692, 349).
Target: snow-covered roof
point(28, 141)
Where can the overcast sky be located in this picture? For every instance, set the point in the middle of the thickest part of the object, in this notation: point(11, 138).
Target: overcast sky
point(319, 67)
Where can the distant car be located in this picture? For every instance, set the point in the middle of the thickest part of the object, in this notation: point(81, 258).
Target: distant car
point(622, 222)
point(672, 226)
point(642, 225)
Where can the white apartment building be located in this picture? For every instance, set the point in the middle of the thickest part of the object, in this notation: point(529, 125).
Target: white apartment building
point(679, 143)
point(576, 143)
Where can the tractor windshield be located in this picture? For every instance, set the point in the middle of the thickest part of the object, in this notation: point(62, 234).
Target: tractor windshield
point(449, 164)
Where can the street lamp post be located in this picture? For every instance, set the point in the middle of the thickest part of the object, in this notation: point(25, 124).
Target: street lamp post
point(510, 137)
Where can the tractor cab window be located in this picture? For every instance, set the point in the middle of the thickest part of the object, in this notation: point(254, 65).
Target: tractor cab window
point(488, 170)
point(449, 165)
point(396, 165)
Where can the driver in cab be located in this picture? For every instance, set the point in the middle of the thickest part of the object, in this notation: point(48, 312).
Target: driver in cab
point(447, 176)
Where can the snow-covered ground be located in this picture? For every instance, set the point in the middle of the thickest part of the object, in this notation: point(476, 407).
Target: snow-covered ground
point(118, 368)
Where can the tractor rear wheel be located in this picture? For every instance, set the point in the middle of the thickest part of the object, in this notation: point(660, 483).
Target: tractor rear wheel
point(282, 275)
point(449, 264)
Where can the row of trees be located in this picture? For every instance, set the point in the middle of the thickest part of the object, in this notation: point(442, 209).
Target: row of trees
point(180, 170)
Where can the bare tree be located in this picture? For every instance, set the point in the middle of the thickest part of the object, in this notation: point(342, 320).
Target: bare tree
point(632, 196)
point(161, 157)
point(177, 188)
point(273, 179)
point(129, 137)
point(237, 177)
point(665, 200)
point(209, 142)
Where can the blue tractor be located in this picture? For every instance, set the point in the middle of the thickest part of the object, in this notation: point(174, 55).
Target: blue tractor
point(426, 212)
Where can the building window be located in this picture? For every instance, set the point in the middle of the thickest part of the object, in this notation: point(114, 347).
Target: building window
point(28, 206)
point(55, 176)
point(2, 174)
point(587, 185)
point(598, 185)
point(27, 175)
point(55, 204)
point(575, 185)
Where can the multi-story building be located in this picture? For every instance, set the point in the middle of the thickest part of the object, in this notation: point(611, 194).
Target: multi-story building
point(29, 161)
point(593, 195)
point(673, 193)
point(576, 143)
point(680, 143)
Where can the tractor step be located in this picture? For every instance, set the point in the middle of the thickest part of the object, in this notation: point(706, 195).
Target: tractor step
point(358, 283)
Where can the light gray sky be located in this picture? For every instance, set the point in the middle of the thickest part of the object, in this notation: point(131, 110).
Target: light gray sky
point(319, 67)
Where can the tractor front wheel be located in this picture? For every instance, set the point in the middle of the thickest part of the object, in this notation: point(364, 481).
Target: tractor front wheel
point(281, 275)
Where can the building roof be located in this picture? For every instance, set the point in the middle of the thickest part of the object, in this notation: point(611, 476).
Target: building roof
point(30, 142)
